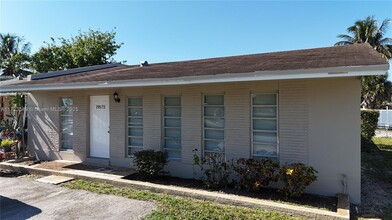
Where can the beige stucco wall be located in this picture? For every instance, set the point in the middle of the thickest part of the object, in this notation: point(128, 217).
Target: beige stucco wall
point(334, 135)
point(319, 123)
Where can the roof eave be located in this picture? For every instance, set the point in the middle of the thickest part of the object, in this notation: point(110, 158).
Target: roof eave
point(221, 78)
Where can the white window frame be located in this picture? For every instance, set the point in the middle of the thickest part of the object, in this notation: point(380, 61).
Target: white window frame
point(61, 125)
point(164, 127)
point(220, 129)
point(129, 147)
point(277, 126)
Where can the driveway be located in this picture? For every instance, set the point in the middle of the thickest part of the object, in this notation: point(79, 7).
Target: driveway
point(24, 198)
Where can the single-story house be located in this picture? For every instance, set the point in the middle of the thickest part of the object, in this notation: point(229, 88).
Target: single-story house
point(293, 106)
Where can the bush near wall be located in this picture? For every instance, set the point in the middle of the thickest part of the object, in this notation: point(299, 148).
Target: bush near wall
point(150, 163)
point(254, 174)
point(216, 170)
point(296, 177)
point(369, 119)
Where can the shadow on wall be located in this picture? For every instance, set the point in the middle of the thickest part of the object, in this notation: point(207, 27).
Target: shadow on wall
point(43, 135)
point(15, 209)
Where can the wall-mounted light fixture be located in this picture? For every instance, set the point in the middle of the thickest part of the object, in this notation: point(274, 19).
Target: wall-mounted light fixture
point(115, 97)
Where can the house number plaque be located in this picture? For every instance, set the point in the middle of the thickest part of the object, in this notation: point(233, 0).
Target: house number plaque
point(100, 106)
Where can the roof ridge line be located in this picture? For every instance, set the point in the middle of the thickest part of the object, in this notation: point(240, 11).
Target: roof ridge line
point(74, 71)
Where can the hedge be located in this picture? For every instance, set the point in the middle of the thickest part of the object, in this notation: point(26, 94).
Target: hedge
point(369, 119)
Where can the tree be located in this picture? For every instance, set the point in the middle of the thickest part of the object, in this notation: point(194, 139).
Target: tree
point(86, 49)
point(14, 55)
point(376, 90)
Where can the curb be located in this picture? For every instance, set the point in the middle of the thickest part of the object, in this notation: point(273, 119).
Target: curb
point(229, 199)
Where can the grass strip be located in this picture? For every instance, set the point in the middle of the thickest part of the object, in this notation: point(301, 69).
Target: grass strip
point(173, 207)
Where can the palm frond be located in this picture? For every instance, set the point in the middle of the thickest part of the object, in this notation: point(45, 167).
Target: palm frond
point(384, 26)
point(26, 47)
point(384, 51)
point(386, 41)
point(343, 43)
point(346, 37)
point(352, 29)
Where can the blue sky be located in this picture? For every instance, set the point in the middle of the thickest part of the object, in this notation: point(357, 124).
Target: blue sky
point(169, 31)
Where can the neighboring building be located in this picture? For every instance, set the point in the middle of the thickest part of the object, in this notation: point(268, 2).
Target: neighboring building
point(4, 106)
point(5, 98)
point(294, 106)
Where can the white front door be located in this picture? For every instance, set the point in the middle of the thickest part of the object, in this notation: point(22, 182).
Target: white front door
point(99, 126)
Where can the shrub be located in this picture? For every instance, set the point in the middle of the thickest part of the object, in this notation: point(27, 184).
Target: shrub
point(369, 119)
point(150, 163)
point(216, 170)
point(9, 155)
point(6, 144)
point(254, 174)
point(296, 177)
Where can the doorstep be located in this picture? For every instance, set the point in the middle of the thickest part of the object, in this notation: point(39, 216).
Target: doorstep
point(219, 197)
point(97, 161)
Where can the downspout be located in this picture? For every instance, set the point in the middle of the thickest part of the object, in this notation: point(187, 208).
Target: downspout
point(22, 130)
point(344, 183)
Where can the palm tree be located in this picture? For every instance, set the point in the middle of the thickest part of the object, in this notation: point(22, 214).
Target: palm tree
point(376, 90)
point(14, 55)
point(367, 31)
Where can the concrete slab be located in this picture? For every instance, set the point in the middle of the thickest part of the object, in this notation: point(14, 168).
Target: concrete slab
point(28, 199)
point(55, 180)
point(343, 205)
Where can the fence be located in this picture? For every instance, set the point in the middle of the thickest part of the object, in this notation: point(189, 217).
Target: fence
point(385, 119)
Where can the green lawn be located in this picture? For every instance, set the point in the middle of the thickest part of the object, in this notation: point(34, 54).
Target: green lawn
point(383, 143)
point(171, 207)
point(376, 178)
point(377, 158)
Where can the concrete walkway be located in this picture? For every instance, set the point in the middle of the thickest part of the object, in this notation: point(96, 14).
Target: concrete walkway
point(219, 197)
point(383, 133)
point(24, 198)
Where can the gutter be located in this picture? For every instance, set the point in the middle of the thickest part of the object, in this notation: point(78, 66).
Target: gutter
point(355, 71)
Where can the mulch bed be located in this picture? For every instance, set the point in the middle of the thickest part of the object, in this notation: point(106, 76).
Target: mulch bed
point(54, 165)
point(25, 161)
point(314, 201)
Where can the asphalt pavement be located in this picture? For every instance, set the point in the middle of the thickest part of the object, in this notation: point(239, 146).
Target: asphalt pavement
point(29, 199)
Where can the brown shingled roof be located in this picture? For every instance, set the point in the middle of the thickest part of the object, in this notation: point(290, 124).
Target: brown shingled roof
point(337, 56)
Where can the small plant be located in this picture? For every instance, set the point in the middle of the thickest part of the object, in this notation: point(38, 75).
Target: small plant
point(150, 163)
point(369, 119)
point(7, 144)
point(296, 177)
point(254, 174)
point(216, 170)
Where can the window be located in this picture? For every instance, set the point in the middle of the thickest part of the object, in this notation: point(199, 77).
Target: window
point(265, 126)
point(66, 117)
point(172, 127)
point(135, 125)
point(214, 124)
